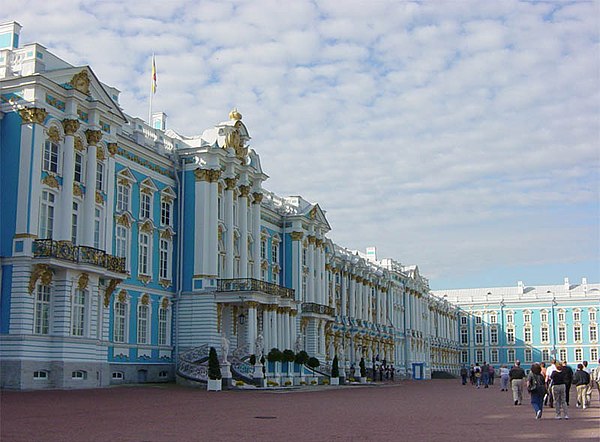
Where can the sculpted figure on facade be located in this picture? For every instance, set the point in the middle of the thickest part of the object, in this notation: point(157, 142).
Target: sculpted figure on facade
point(259, 345)
point(224, 348)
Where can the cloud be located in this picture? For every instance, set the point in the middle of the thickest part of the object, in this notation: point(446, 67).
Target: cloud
point(460, 136)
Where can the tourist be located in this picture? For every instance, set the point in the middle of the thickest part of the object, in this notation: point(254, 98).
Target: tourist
point(516, 375)
point(588, 391)
point(504, 378)
point(558, 380)
point(569, 380)
point(485, 374)
point(392, 370)
point(543, 367)
point(597, 378)
point(477, 371)
point(581, 380)
point(463, 374)
point(536, 386)
point(492, 372)
point(472, 374)
point(549, 399)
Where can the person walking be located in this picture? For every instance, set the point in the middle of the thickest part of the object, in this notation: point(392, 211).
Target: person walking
point(588, 390)
point(492, 372)
point(549, 399)
point(559, 381)
point(463, 374)
point(477, 371)
point(504, 378)
point(516, 375)
point(536, 386)
point(581, 380)
point(569, 380)
point(596, 378)
point(485, 374)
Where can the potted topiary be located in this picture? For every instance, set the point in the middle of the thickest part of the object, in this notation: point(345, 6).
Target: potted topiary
point(274, 357)
point(335, 372)
point(313, 363)
point(288, 357)
point(299, 361)
point(214, 371)
point(363, 371)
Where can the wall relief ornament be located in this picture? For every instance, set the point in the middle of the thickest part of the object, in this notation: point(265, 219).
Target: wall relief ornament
point(34, 115)
point(81, 82)
point(99, 197)
point(145, 299)
point(257, 197)
point(164, 303)
point(51, 181)
point(83, 281)
point(93, 136)
point(122, 296)
point(112, 285)
point(54, 134)
point(79, 144)
point(100, 155)
point(70, 126)
point(40, 271)
point(112, 148)
point(244, 191)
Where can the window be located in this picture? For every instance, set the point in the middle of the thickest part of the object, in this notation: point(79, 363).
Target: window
point(545, 334)
point(99, 176)
point(545, 355)
point(120, 322)
point(593, 354)
point(304, 259)
point(263, 248)
point(165, 213)
point(47, 215)
point(510, 335)
point(274, 253)
point(123, 197)
point(494, 356)
point(142, 324)
point(41, 320)
point(97, 228)
point(510, 318)
point(528, 355)
point(220, 208)
point(578, 354)
point(577, 333)
point(50, 163)
point(562, 333)
point(478, 336)
point(527, 334)
point(464, 336)
point(479, 356)
point(143, 267)
point(593, 333)
point(561, 316)
point(527, 317)
point(118, 375)
point(79, 375)
point(510, 355)
point(562, 354)
point(494, 336)
point(78, 178)
point(477, 319)
point(464, 357)
point(463, 320)
point(40, 375)
point(121, 243)
point(576, 318)
point(592, 315)
point(163, 374)
point(493, 318)
point(544, 316)
point(78, 313)
point(74, 222)
point(145, 205)
point(164, 260)
point(162, 326)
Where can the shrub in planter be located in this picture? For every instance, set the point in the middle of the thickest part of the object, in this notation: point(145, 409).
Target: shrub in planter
point(288, 356)
point(313, 382)
point(313, 363)
point(301, 358)
point(214, 368)
point(274, 355)
point(239, 383)
point(272, 384)
point(335, 370)
point(287, 383)
point(363, 368)
point(325, 381)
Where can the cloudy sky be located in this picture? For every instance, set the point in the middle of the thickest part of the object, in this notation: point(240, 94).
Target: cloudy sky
point(463, 137)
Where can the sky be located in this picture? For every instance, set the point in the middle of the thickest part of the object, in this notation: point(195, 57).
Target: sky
point(460, 136)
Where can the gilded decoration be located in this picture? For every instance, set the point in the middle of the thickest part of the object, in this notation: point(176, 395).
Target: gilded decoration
point(293, 312)
point(81, 82)
point(164, 283)
point(70, 126)
point(93, 136)
point(251, 304)
point(40, 271)
point(77, 190)
point(166, 234)
point(214, 175)
point(144, 279)
point(100, 156)
point(230, 183)
point(164, 303)
point(112, 285)
point(235, 115)
point(83, 281)
point(264, 265)
point(51, 181)
point(145, 299)
point(79, 144)
point(257, 196)
point(244, 191)
point(99, 197)
point(297, 236)
point(54, 134)
point(313, 213)
point(34, 115)
point(122, 296)
point(303, 324)
point(232, 139)
point(124, 220)
point(112, 148)
point(201, 174)
point(311, 239)
point(147, 227)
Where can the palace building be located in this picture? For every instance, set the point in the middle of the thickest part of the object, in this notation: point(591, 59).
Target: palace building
point(127, 249)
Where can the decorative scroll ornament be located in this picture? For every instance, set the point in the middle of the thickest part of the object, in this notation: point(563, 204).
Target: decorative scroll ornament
point(124, 220)
point(77, 190)
point(100, 155)
point(93, 136)
point(99, 197)
point(70, 126)
point(122, 296)
point(112, 285)
point(83, 281)
point(51, 181)
point(112, 148)
point(79, 144)
point(146, 227)
point(145, 299)
point(54, 134)
point(81, 82)
point(34, 115)
point(40, 271)
point(164, 303)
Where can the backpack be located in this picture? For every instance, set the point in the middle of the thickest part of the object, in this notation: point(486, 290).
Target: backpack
point(533, 384)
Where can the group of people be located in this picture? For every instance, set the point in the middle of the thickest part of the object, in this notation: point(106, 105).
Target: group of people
point(547, 386)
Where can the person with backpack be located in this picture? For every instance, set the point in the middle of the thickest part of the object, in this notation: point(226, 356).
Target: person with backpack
point(536, 386)
point(477, 371)
point(463, 374)
point(581, 380)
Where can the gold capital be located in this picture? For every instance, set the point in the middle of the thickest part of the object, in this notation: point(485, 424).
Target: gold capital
point(112, 148)
point(230, 183)
point(257, 197)
point(34, 115)
point(70, 126)
point(297, 236)
point(93, 136)
point(244, 191)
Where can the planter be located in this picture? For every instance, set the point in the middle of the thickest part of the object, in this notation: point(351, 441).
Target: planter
point(334, 381)
point(214, 385)
point(363, 379)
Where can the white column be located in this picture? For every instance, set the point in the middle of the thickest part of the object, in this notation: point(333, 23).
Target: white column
point(352, 295)
point(252, 325)
point(317, 278)
point(243, 222)
point(65, 212)
point(212, 255)
point(266, 329)
point(89, 202)
point(273, 316)
point(324, 292)
point(343, 292)
point(297, 264)
point(256, 232)
point(201, 203)
point(310, 281)
point(229, 252)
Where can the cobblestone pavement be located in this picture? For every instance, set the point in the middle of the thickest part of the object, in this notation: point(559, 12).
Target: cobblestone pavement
point(438, 410)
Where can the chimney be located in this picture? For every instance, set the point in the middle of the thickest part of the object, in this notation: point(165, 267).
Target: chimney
point(567, 285)
point(520, 287)
point(9, 35)
point(584, 285)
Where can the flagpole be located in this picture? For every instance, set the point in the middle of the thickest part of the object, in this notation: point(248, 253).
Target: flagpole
point(152, 90)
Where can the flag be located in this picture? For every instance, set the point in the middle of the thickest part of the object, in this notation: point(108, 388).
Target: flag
point(153, 75)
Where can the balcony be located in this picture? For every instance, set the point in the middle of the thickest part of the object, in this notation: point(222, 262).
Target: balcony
point(311, 307)
point(253, 285)
point(65, 250)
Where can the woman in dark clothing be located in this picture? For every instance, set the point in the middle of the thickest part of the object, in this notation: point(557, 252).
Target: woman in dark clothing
point(537, 389)
point(559, 380)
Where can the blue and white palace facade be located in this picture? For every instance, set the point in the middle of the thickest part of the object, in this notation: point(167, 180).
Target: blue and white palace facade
point(126, 249)
point(528, 323)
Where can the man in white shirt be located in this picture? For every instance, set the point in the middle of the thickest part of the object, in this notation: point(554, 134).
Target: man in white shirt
point(549, 396)
point(588, 390)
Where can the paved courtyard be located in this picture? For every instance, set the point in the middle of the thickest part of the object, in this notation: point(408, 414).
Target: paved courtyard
point(438, 410)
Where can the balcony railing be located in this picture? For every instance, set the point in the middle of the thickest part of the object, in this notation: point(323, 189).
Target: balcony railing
point(253, 285)
point(49, 248)
point(311, 307)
